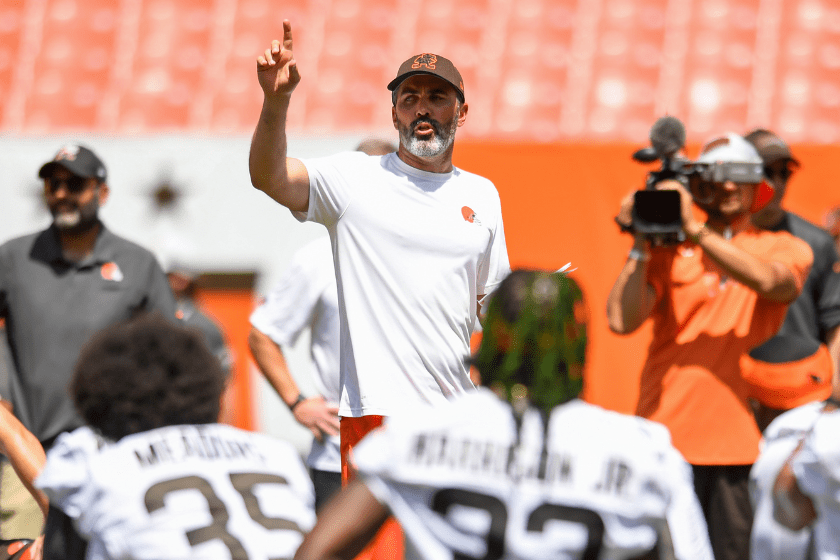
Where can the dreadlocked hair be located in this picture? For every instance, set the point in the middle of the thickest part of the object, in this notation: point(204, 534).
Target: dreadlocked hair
point(535, 335)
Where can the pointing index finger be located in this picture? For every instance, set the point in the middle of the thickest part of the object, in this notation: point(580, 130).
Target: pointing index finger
point(287, 35)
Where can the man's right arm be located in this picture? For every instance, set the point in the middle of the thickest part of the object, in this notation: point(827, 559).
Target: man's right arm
point(313, 413)
point(282, 178)
point(631, 298)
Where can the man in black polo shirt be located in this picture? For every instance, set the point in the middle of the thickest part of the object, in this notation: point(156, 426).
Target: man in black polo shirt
point(815, 315)
point(61, 285)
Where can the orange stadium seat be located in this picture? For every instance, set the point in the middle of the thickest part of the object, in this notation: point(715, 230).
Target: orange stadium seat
point(527, 65)
point(355, 63)
point(530, 86)
point(807, 93)
point(170, 65)
point(11, 30)
point(719, 68)
point(237, 99)
point(626, 69)
point(74, 65)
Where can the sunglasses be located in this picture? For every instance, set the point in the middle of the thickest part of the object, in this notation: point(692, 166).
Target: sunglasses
point(74, 184)
point(784, 173)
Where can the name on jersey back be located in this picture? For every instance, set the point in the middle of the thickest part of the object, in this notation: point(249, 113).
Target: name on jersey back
point(193, 443)
point(511, 461)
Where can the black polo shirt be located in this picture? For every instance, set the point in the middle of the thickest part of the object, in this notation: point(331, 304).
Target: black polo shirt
point(53, 306)
point(817, 309)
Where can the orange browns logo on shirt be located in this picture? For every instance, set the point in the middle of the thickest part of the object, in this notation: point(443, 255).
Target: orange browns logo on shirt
point(110, 271)
point(470, 215)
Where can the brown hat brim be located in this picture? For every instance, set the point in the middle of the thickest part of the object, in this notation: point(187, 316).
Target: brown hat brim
point(395, 83)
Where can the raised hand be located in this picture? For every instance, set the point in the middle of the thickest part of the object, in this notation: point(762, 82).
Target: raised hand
point(276, 68)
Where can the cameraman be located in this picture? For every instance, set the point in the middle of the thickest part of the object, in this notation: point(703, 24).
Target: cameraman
point(712, 297)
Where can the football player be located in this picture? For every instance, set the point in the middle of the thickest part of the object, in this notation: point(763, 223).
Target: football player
point(152, 475)
point(807, 488)
point(521, 468)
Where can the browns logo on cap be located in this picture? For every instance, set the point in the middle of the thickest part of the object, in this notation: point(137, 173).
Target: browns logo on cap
point(428, 63)
point(77, 159)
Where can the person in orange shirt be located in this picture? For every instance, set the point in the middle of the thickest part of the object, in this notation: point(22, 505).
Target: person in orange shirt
point(722, 291)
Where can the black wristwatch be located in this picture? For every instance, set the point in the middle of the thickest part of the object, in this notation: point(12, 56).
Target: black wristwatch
point(300, 399)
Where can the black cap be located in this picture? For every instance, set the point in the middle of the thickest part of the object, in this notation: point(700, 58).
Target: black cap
point(433, 64)
point(78, 160)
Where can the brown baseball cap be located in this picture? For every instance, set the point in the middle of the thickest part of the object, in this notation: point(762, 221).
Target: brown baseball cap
point(770, 147)
point(427, 63)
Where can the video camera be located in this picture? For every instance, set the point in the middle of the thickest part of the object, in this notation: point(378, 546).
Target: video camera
point(657, 213)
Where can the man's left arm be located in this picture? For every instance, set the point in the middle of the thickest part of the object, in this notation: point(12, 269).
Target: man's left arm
point(771, 279)
point(778, 278)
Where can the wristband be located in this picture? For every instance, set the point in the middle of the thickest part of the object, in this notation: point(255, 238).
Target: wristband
point(300, 399)
point(701, 233)
point(638, 255)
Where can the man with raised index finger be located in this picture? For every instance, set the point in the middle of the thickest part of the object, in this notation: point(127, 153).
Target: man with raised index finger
point(416, 241)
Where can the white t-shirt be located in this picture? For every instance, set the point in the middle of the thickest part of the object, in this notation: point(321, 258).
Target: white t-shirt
point(817, 470)
point(769, 539)
point(210, 491)
point(465, 479)
point(413, 251)
point(306, 298)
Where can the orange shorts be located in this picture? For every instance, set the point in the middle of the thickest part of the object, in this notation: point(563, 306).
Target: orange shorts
point(388, 543)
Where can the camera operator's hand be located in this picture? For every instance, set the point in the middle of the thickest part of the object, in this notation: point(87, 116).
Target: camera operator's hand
point(691, 226)
point(625, 213)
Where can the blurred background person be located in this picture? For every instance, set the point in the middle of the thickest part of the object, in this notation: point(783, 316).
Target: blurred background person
point(306, 298)
point(61, 285)
point(521, 468)
point(712, 297)
point(815, 314)
point(183, 280)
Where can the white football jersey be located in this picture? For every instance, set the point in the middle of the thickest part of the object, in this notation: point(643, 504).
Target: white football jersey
point(465, 481)
point(769, 540)
point(186, 492)
point(817, 469)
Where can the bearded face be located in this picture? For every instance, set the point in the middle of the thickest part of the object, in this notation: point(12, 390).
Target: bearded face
point(426, 137)
point(427, 113)
point(73, 201)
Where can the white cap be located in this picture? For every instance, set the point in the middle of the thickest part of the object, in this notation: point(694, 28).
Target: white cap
point(730, 148)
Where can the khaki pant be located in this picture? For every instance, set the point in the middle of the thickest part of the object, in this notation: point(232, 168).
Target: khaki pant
point(20, 516)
